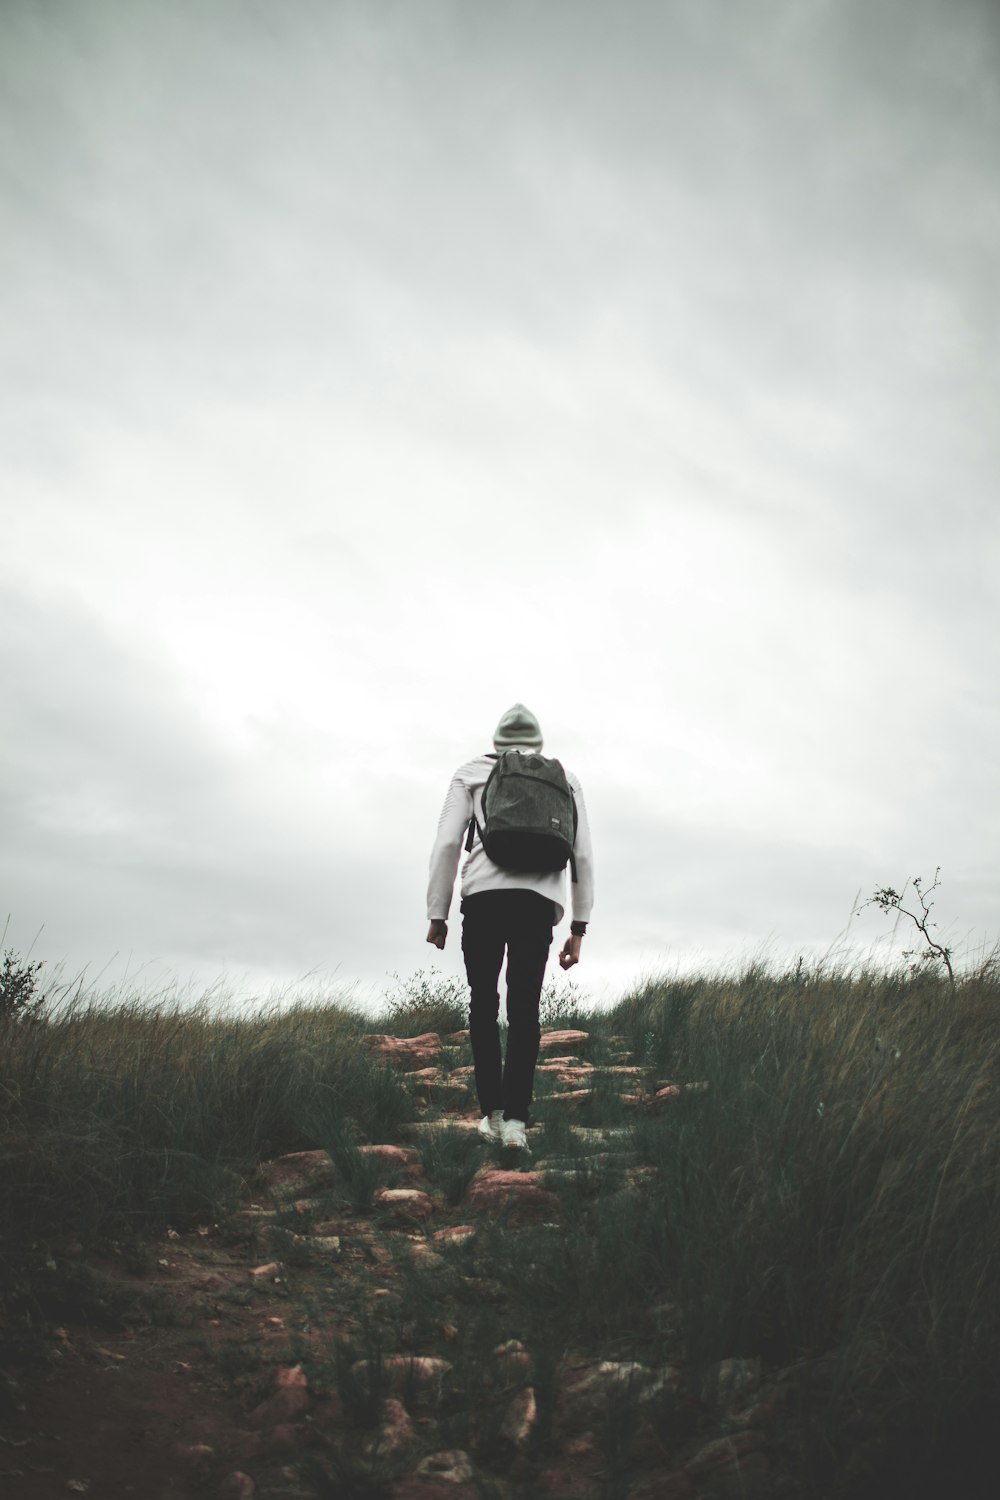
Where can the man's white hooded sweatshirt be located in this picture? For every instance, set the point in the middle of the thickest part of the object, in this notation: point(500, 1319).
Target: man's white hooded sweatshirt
point(479, 873)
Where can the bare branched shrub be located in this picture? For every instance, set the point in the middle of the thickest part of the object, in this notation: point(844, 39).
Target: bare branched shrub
point(888, 899)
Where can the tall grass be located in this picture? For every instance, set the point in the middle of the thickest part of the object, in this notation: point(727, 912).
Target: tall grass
point(131, 1114)
point(836, 1189)
point(830, 1201)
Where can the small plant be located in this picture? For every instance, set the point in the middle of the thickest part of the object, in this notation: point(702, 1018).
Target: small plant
point(451, 1158)
point(19, 997)
point(561, 1004)
point(888, 900)
point(426, 1002)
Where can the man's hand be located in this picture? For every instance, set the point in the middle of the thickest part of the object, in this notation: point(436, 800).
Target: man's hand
point(570, 954)
point(437, 932)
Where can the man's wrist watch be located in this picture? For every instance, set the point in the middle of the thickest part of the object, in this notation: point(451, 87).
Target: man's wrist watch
point(578, 929)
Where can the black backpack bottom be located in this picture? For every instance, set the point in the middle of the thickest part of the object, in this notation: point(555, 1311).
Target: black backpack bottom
point(529, 853)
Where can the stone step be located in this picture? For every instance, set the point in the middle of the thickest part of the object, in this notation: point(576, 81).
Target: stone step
point(570, 1099)
point(524, 1192)
point(406, 1052)
point(576, 1098)
point(566, 1040)
point(438, 1088)
point(568, 1077)
point(404, 1203)
point(298, 1174)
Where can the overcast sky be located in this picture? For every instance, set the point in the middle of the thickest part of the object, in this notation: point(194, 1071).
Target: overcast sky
point(368, 367)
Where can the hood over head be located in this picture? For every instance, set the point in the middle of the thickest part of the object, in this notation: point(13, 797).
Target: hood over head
point(518, 729)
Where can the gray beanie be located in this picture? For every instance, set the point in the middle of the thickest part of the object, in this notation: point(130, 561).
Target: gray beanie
point(518, 728)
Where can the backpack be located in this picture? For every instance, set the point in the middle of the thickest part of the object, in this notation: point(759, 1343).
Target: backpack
point(529, 815)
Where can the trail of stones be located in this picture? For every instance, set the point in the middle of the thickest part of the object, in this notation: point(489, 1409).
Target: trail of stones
point(348, 1330)
point(421, 1226)
point(440, 1079)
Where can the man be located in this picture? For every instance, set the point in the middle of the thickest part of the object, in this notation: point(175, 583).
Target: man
point(505, 910)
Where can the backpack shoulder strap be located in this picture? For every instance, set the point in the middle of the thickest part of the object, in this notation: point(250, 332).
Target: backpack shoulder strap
point(473, 825)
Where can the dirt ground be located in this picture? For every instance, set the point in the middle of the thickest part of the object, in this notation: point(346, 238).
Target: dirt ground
point(144, 1410)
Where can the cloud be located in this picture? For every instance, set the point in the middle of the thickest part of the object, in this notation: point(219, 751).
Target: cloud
point(126, 825)
point(367, 370)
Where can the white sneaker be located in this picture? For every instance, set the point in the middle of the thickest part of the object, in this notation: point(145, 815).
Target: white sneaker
point(514, 1136)
point(490, 1125)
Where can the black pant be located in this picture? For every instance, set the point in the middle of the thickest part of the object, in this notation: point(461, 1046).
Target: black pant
point(520, 922)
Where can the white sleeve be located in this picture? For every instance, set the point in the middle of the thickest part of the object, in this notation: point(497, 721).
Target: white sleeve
point(582, 888)
point(452, 828)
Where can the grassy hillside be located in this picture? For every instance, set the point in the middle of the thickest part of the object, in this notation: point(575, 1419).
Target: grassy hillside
point(826, 1200)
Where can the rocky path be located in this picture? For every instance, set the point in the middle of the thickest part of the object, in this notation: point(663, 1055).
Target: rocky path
point(316, 1344)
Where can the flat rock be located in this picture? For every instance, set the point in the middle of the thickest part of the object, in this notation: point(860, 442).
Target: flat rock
point(520, 1417)
point(323, 1246)
point(406, 1052)
point(406, 1159)
point(438, 1088)
point(586, 1389)
point(250, 1220)
point(569, 1075)
point(395, 1435)
point(450, 1466)
point(455, 1234)
point(297, 1174)
point(404, 1203)
point(571, 1097)
point(495, 1188)
point(426, 1258)
point(570, 1041)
